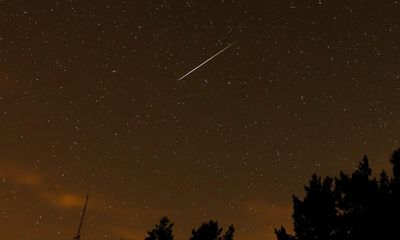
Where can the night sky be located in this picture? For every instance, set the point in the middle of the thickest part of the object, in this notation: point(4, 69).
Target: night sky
point(90, 102)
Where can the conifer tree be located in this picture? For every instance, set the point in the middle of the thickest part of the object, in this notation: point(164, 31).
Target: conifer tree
point(161, 231)
point(348, 207)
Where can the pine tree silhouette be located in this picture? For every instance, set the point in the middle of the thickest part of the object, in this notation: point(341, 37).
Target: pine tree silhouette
point(229, 233)
point(349, 207)
point(315, 215)
point(162, 231)
point(211, 231)
point(281, 234)
point(395, 160)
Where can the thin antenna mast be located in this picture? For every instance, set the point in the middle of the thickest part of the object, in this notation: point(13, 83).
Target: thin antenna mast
point(78, 235)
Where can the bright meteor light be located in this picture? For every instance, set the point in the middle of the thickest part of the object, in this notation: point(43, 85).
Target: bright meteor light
point(215, 55)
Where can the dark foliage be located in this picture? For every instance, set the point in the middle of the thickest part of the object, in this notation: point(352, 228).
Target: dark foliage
point(348, 207)
point(162, 231)
point(229, 233)
point(282, 234)
point(211, 231)
point(207, 231)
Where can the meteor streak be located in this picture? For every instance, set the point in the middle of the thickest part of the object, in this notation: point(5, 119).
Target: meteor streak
point(218, 53)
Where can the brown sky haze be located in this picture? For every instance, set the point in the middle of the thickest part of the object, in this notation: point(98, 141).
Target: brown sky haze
point(90, 104)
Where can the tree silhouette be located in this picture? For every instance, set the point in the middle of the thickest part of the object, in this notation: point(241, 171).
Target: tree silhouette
point(281, 234)
point(395, 160)
point(229, 233)
point(211, 231)
point(394, 191)
point(162, 231)
point(315, 215)
point(348, 207)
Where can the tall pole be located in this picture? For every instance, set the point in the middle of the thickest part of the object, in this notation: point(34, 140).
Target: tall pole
point(78, 235)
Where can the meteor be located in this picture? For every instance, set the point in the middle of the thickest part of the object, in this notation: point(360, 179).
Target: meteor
point(206, 61)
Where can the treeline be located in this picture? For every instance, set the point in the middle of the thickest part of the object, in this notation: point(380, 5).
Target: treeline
point(348, 207)
point(207, 231)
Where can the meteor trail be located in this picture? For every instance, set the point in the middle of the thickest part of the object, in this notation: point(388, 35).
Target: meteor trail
point(218, 53)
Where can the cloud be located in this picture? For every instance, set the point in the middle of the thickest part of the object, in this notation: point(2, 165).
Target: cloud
point(21, 176)
point(70, 201)
point(127, 234)
point(36, 181)
point(63, 200)
point(41, 187)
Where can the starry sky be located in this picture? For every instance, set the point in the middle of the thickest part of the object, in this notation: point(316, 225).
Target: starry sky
point(90, 102)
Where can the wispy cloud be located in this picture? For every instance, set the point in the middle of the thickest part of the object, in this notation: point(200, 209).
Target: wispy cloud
point(127, 233)
point(21, 176)
point(63, 200)
point(102, 206)
point(36, 181)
